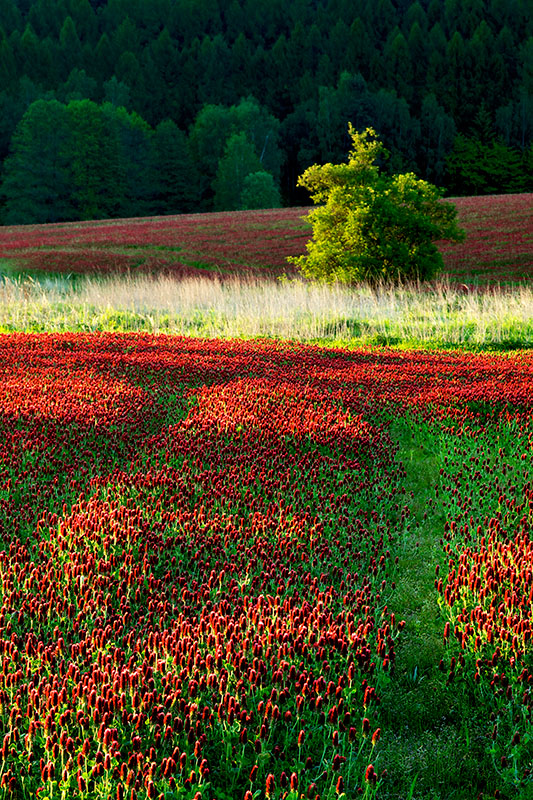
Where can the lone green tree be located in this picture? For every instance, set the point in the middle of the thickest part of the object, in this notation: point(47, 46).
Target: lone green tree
point(370, 226)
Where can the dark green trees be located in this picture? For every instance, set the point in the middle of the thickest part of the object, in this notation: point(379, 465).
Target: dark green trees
point(93, 161)
point(483, 162)
point(259, 191)
point(77, 161)
point(228, 144)
point(87, 161)
point(37, 174)
point(238, 162)
point(417, 71)
point(176, 178)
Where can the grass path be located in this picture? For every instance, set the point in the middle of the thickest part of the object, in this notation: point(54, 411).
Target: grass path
point(434, 740)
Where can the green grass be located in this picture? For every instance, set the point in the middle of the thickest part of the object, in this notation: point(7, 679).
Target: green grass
point(438, 315)
point(435, 739)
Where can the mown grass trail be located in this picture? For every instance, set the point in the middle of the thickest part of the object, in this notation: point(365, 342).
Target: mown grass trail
point(455, 717)
point(433, 743)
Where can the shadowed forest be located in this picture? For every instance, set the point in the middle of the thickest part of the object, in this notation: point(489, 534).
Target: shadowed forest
point(140, 107)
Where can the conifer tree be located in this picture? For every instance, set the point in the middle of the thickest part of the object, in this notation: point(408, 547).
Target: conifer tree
point(93, 157)
point(176, 187)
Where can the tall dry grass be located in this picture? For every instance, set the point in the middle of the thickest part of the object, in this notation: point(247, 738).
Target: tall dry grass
point(439, 314)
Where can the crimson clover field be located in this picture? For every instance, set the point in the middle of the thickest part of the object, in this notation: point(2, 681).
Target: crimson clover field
point(497, 248)
point(201, 570)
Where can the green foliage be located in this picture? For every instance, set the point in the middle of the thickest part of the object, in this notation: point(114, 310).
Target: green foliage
point(135, 164)
point(210, 135)
point(116, 92)
point(437, 131)
point(93, 161)
point(383, 110)
point(37, 173)
point(78, 161)
point(417, 72)
point(176, 174)
point(78, 86)
point(372, 227)
point(240, 160)
point(260, 191)
point(490, 167)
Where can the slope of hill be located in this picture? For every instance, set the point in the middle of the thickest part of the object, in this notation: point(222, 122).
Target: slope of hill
point(498, 246)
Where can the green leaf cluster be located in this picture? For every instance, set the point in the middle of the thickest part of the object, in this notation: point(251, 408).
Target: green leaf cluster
point(370, 226)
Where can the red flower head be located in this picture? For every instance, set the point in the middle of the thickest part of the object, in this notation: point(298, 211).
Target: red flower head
point(270, 785)
point(81, 782)
point(370, 774)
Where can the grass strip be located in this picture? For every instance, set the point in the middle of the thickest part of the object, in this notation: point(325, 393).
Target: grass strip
point(434, 743)
point(410, 316)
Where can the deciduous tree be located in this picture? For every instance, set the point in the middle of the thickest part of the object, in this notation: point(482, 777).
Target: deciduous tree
point(370, 226)
point(260, 191)
point(239, 160)
point(37, 174)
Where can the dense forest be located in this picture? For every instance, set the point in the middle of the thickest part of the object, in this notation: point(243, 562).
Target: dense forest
point(135, 107)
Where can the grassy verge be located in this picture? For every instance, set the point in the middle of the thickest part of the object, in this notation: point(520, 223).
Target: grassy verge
point(438, 315)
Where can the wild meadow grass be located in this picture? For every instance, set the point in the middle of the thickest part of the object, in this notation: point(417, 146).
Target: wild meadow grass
point(439, 314)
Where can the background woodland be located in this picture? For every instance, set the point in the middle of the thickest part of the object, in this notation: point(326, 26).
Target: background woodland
point(140, 107)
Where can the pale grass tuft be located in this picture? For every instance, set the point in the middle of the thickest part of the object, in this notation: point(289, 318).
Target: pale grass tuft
point(426, 315)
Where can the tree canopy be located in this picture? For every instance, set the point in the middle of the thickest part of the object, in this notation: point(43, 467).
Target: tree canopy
point(371, 226)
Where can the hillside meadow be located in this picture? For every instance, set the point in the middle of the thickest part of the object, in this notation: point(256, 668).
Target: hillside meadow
point(233, 280)
point(497, 248)
point(238, 566)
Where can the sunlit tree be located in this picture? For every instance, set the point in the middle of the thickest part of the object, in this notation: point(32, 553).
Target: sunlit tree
point(373, 227)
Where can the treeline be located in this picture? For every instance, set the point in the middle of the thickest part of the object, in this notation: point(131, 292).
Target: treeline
point(82, 160)
point(203, 104)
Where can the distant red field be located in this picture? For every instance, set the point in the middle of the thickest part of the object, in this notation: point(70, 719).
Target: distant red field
point(498, 247)
point(499, 240)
